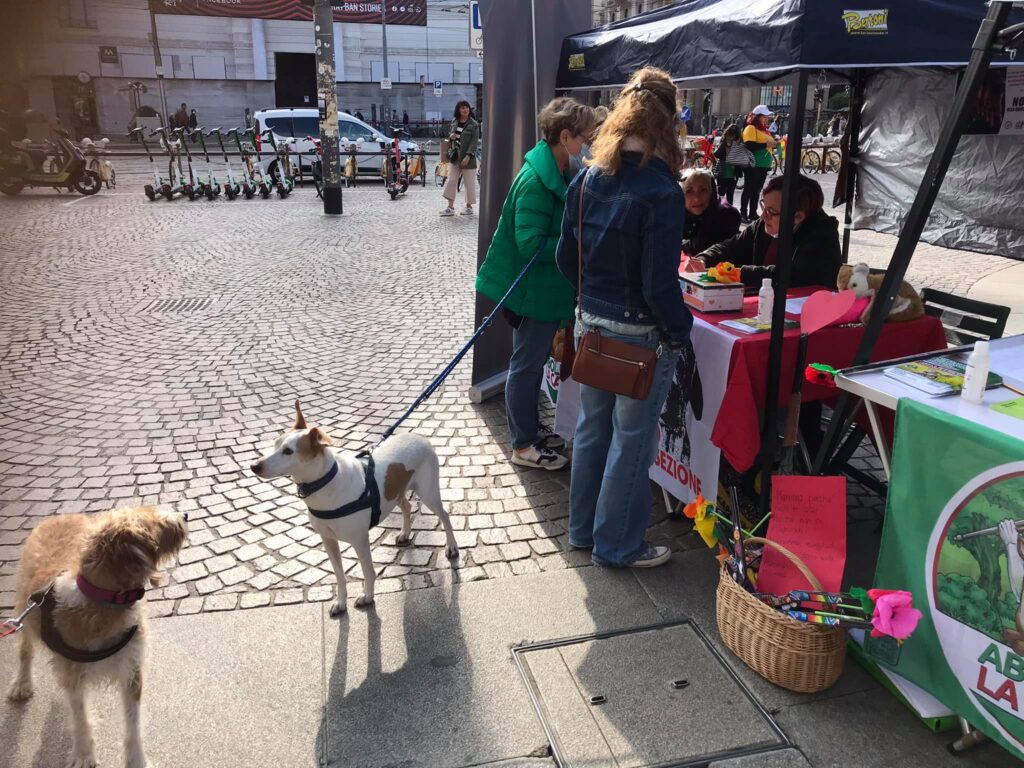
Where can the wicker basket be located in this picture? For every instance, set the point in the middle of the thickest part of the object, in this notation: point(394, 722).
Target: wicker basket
point(802, 657)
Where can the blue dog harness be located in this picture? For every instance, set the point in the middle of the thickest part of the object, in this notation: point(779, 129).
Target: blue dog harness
point(369, 498)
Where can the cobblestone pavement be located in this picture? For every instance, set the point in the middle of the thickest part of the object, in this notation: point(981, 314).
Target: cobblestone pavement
point(150, 351)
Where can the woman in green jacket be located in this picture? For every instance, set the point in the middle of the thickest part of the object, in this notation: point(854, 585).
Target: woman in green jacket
point(530, 223)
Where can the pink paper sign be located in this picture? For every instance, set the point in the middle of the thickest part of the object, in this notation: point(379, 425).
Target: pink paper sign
point(809, 519)
point(824, 308)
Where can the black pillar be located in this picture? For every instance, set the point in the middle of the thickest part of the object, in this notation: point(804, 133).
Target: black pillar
point(327, 97)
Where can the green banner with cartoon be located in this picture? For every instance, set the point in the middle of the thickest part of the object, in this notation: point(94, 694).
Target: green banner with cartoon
point(954, 536)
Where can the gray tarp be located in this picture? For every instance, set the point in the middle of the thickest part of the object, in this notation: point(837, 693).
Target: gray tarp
point(981, 204)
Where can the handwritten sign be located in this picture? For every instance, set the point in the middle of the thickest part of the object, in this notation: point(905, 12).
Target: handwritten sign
point(809, 519)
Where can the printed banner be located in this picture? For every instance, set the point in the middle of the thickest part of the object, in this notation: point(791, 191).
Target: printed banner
point(687, 462)
point(1013, 118)
point(405, 12)
point(954, 536)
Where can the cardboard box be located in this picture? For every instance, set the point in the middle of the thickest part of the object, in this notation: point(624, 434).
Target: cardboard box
point(711, 297)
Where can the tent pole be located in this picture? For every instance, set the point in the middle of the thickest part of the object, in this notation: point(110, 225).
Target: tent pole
point(794, 145)
point(963, 103)
point(853, 167)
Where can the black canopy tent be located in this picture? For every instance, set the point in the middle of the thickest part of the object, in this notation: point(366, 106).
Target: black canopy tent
point(738, 42)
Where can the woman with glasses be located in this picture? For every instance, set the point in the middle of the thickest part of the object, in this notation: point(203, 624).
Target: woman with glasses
point(817, 255)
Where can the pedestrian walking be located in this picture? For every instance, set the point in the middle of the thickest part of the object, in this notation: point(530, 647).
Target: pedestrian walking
point(727, 175)
point(405, 120)
point(530, 223)
point(193, 121)
point(759, 141)
point(180, 119)
point(463, 138)
point(632, 224)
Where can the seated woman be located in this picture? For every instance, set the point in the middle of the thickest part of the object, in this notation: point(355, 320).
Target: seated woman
point(708, 221)
point(817, 255)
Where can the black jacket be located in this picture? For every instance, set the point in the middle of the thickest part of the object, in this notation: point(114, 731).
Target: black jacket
point(816, 252)
point(718, 223)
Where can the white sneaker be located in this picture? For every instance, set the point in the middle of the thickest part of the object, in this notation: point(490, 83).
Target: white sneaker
point(467, 211)
point(447, 211)
point(539, 457)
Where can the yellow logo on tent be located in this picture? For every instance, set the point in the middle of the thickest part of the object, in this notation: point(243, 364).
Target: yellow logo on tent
point(874, 22)
point(576, 62)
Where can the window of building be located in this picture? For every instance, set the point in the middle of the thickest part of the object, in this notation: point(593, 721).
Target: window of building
point(76, 13)
point(777, 95)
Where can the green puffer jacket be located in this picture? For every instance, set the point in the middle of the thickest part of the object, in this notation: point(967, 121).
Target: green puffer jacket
point(531, 218)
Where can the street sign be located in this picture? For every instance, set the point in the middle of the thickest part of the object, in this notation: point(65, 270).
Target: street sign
point(385, 83)
point(108, 54)
point(438, 89)
point(476, 29)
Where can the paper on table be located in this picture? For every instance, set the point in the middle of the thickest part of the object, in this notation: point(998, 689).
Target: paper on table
point(1014, 408)
point(809, 519)
point(795, 306)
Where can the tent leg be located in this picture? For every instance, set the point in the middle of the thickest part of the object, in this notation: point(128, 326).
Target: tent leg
point(856, 105)
point(966, 96)
point(769, 429)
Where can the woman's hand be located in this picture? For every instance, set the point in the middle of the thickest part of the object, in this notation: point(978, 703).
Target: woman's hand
point(465, 162)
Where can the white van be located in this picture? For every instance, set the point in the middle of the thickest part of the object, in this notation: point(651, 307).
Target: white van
point(300, 123)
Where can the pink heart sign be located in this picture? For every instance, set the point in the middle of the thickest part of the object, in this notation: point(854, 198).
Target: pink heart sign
point(825, 308)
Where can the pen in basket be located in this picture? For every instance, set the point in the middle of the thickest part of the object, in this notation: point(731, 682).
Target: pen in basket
point(738, 559)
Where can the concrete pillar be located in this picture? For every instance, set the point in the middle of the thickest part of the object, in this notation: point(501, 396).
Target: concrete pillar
point(259, 50)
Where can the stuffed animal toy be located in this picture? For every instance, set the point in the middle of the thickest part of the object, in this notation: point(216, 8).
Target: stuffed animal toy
point(907, 306)
point(725, 272)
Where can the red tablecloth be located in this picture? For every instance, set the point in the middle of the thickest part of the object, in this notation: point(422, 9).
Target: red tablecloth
point(737, 428)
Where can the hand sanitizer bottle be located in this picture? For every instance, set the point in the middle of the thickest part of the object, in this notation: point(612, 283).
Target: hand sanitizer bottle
point(976, 374)
point(765, 302)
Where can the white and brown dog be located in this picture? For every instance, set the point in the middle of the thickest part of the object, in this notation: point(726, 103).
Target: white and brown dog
point(87, 573)
point(346, 496)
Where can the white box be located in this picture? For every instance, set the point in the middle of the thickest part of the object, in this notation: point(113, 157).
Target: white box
point(711, 297)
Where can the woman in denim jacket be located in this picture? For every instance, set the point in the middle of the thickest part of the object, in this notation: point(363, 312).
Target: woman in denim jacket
point(633, 213)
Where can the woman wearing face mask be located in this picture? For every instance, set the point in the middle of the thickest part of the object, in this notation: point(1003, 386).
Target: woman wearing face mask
point(530, 223)
point(578, 162)
point(463, 137)
point(817, 255)
point(708, 220)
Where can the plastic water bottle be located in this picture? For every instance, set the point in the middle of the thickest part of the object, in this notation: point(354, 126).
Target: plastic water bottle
point(976, 374)
point(765, 302)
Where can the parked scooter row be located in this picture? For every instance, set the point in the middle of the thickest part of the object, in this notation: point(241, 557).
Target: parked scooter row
point(193, 183)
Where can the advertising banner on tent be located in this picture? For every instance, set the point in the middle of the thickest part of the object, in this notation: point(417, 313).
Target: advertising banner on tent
point(687, 460)
point(954, 537)
point(410, 13)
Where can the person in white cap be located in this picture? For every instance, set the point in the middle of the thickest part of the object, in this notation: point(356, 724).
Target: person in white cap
point(760, 141)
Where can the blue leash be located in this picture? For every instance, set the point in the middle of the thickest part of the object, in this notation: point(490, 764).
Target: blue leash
point(462, 353)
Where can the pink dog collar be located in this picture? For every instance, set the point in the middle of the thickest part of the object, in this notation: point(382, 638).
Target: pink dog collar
point(122, 599)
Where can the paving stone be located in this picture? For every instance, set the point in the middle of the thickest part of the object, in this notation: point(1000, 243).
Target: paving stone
point(208, 585)
point(544, 546)
point(248, 552)
point(235, 575)
point(254, 600)
point(220, 603)
point(190, 605)
point(416, 557)
point(189, 573)
point(158, 609)
point(309, 576)
point(514, 551)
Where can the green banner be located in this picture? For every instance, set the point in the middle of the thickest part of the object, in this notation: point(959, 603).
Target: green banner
point(953, 537)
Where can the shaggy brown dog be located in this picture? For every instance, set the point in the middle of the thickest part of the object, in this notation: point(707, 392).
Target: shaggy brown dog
point(99, 565)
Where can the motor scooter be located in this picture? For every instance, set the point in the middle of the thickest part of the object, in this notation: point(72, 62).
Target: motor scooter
point(22, 165)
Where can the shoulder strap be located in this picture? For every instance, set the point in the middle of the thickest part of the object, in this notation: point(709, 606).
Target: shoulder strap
point(579, 250)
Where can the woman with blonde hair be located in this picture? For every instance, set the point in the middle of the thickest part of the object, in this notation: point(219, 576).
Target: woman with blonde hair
point(632, 225)
point(530, 222)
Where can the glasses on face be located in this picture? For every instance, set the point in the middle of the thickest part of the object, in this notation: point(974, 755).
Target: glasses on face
point(768, 213)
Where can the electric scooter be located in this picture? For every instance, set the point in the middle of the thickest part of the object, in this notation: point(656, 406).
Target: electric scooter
point(151, 190)
point(232, 189)
point(175, 175)
point(211, 187)
point(189, 188)
point(22, 166)
point(317, 167)
point(396, 177)
point(248, 187)
point(284, 182)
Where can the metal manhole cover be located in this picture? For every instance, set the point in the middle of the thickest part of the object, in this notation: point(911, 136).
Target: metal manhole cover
point(178, 305)
point(652, 697)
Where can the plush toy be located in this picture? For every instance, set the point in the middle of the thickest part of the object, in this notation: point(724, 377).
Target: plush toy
point(726, 272)
point(907, 306)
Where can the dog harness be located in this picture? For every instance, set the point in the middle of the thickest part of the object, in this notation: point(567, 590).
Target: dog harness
point(369, 498)
point(48, 631)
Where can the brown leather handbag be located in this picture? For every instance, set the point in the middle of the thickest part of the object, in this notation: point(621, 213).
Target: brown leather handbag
point(609, 364)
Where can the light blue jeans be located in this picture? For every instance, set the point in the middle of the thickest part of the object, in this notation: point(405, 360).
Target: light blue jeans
point(531, 346)
point(614, 447)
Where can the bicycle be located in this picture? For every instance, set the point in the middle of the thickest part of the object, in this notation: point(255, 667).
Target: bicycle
point(102, 168)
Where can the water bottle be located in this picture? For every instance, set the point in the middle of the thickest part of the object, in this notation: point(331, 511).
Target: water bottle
point(765, 302)
point(976, 374)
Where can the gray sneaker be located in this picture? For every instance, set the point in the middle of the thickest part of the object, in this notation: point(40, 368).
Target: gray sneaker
point(467, 211)
point(539, 457)
point(651, 557)
point(447, 211)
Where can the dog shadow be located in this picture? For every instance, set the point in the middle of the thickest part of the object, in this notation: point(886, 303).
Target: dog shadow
point(54, 741)
point(414, 706)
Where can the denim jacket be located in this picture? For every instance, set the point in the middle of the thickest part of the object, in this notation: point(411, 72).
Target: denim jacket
point(632, 227)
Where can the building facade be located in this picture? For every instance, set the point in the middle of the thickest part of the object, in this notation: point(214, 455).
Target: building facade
point(91, 63)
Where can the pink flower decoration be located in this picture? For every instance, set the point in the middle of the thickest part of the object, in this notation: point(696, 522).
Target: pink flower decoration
point(894, 615)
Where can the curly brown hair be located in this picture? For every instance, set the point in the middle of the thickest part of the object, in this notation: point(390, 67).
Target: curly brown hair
point(646, 111)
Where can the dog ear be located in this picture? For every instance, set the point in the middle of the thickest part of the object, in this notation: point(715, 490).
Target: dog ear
point(171, 532)
point(300, 420)
point(317, 439)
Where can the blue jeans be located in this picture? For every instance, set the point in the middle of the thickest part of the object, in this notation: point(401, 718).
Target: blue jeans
point(615, 445)
point(531, 347)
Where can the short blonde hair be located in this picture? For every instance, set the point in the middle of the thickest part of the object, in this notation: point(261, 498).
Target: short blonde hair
point(702, 175)
point(565, 114)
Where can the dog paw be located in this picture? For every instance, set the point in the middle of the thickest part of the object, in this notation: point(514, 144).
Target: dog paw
point(338, 609)
point(403, 541)
point(364, 601)
point(452, 551)
point(81, 761)
point(20, 691)
point(137, 761)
